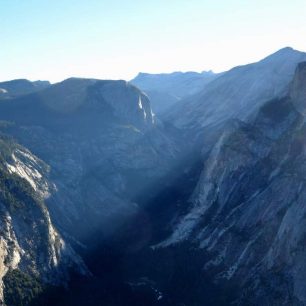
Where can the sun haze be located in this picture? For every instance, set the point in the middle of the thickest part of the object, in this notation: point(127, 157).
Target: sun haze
point(41, 39)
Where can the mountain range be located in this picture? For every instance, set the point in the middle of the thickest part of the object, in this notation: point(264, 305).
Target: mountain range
point(170, 189)
point(165, 90)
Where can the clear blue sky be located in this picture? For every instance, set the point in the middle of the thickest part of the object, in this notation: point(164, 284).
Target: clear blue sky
point(56, 39)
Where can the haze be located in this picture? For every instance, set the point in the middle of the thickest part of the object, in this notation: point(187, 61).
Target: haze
point(50, 40)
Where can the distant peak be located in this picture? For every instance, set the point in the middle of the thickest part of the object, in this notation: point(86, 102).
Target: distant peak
point(208, 71)
point(77, 79)
point(286, 49)
point(282, 55)
point(16, 81)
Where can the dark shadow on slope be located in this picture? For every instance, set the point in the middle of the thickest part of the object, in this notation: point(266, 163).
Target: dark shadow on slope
point(127, 271)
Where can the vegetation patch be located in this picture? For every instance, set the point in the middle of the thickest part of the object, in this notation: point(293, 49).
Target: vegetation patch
point(20, 288)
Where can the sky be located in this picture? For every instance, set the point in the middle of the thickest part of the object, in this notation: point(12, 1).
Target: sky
point(116, 39)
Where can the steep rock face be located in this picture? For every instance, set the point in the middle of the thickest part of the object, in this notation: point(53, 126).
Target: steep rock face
point(165, 90)
point(247, 213)
point(102, 144)
point(237, 94)
point(29, 243)
point(116, 97)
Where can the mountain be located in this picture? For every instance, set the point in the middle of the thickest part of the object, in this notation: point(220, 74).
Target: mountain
point(10, 89)
point(166, 89)
point(32, 252)
point(216, 182)
point(102, 143)
point(238, 94)
point(246, 214)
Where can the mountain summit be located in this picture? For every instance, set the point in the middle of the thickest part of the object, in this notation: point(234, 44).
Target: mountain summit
point(239, 92)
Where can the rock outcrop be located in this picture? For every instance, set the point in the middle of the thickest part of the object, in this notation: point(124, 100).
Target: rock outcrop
point(29, 243)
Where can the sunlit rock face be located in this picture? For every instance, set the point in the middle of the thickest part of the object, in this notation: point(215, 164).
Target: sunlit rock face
point(236, 94)
point(247, 212)
point(102, 144)
point(29, 243)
